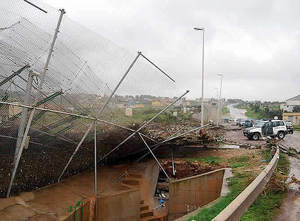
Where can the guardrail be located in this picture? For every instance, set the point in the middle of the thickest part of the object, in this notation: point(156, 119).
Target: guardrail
point(236, 209)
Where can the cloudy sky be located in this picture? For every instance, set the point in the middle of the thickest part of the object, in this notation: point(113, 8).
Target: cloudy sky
point(255, 44)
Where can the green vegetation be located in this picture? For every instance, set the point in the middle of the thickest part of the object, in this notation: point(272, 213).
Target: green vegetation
point(261, 110)
point(225, 110)
point(265, 207)
point(297, 128)
point(206, 159)
point(139, 115)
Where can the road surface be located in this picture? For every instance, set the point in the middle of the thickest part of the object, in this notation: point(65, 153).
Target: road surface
point(290, 208)
point(236, 113)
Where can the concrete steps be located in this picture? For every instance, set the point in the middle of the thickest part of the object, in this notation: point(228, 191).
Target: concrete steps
point(146, 213)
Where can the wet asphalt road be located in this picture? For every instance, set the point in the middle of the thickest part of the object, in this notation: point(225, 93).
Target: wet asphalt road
point(293, 140)
point(236, 113)
point(290, 208)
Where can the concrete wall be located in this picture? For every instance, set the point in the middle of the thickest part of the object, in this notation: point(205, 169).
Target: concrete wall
point(293, 117)
point(124, 206)
point(188, 194)
point(235, 210)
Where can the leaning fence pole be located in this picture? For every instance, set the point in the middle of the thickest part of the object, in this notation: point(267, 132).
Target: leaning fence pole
point(27, 100)
point(144, 125)
point(20, 153)
point(157, 161)
point(95, 170)
point(43, 76)
point(162, 71)
point(62, 12)
point(75, 151)
point(120, 82)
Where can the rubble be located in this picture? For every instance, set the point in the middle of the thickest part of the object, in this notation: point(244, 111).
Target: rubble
point(188, 168)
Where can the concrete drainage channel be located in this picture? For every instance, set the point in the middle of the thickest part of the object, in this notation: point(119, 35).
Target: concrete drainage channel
point(235, 210)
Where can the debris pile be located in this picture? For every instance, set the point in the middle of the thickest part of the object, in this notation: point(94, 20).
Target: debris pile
point(187, 168)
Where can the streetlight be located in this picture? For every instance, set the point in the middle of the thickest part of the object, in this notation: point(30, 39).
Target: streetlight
point(218, 112)
point(202, 97)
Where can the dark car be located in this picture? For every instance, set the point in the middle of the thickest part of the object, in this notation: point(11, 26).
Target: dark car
point(248, 123)
point(289, 127)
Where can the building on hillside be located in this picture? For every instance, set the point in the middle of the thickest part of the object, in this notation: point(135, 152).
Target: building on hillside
point(156, 104)
point(289, 104)
point(293, 117)
point(139, 106)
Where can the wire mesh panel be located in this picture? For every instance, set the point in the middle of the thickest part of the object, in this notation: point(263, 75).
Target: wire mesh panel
point(88, 77)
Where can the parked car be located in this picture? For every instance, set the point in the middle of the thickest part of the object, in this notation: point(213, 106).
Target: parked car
point(241, 122)
point(254, 132)
point(237, 121)
point(248, 123)
point(275, 128)
point(289, 127)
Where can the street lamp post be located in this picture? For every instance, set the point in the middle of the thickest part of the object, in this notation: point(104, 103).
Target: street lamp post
point(202, 96)
point(219, 101)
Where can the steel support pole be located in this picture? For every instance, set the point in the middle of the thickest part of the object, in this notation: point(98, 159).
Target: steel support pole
point(27, 100)
point(144, 125)
point(14, 74)
point(76, 150)
point(168, 76)
point(157, 161)
point(95, 170)
point(219, 101)
point(120, 82)
point(20, 152)
point(173, 164)
point(43, 75)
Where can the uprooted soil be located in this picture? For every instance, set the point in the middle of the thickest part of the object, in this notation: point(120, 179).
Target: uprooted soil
point(187, 168)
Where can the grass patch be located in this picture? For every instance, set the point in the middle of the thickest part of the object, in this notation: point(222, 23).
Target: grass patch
point(236, 165)
point(205, 159)
point(297, 128)
point(236, 185)
point(264, 208)
point(267, 205)
point(253, 115)
point(225, 110)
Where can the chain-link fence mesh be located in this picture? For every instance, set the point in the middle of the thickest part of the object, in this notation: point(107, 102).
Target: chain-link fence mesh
point(83, 72)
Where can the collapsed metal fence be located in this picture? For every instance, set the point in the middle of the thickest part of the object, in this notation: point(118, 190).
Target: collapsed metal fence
point(51, 99)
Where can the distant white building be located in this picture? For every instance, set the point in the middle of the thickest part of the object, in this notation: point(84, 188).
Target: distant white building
point(289, 104)
point(294, 101)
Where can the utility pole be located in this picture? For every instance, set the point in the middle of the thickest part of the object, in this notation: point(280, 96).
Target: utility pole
point(219, 100)
point(202, 94)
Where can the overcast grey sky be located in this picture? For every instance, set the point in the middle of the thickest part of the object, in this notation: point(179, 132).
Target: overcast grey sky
point(254, 43)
